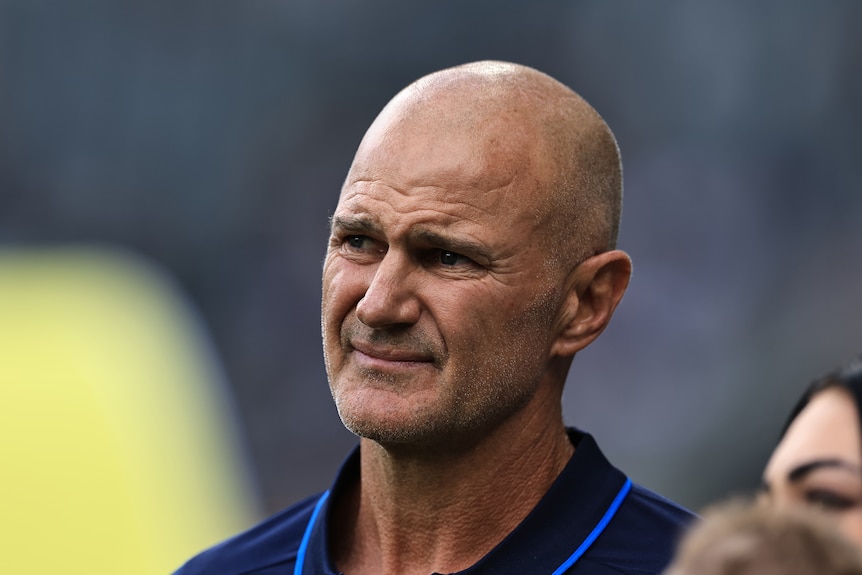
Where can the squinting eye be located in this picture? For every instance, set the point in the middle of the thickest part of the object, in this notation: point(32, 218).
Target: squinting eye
point(828, 500)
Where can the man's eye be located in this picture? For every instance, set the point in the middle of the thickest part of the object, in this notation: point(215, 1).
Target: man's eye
point(828, 500)
point(450, 258)
point(356, 242)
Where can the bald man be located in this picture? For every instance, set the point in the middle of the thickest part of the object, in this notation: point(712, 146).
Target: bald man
point(471, 256)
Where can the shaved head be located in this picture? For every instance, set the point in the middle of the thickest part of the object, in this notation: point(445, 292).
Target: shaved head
point(530, 126)
point(474, 234)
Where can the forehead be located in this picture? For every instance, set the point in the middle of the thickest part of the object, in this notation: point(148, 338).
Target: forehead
point(828, 427)
point(476, 223)
point(439, 143)
point(461, 166)
point(452, 171)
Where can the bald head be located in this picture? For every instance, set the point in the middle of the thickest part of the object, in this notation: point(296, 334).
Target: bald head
point(529, 128)
point(478, 216)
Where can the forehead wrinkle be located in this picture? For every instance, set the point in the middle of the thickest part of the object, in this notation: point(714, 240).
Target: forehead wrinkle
point(478, 213)
point(434, 198)
point(444, 181)
point(477, 172)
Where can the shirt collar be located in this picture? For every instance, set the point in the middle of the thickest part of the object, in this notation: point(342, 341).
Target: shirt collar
point(560, 522)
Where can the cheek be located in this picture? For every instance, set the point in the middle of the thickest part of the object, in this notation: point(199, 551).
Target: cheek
point(342, 289)
point(497, 328)
point(850, 525)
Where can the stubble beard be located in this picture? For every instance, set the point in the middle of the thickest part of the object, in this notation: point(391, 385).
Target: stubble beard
point(471, 397)
point(470, 401)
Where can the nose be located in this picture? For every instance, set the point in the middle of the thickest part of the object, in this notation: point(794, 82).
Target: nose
point(781, 496)
point(390, 299)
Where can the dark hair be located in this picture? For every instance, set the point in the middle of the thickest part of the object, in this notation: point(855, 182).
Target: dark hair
point(848, 376)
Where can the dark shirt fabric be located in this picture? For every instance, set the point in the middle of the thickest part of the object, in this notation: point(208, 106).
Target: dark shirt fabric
point(638, 539)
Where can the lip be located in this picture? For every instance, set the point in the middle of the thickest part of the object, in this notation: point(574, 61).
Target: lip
point(390, 354)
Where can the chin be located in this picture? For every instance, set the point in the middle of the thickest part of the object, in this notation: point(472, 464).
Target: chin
point(385, 436)
point(388, 428)
point(418, 432)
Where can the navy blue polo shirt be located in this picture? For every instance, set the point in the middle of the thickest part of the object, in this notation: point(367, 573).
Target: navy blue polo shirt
point(592, 521)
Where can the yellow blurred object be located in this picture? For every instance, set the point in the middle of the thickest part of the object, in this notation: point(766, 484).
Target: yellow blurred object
point(118, 452)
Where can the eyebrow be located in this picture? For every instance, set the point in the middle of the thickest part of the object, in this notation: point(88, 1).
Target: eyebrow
point(799, 472)
point(353, 224)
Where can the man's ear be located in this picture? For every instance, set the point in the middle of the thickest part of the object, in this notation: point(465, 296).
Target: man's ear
point(595, 288)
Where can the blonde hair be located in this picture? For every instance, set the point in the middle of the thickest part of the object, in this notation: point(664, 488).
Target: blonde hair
point(744, 538)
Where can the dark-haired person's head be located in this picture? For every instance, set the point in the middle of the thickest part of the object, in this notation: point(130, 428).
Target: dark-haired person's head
point(818, 461)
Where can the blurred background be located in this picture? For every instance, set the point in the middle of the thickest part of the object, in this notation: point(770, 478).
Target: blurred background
point(207, 142)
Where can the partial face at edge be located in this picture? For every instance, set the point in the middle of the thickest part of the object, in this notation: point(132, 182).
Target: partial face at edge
point(818, 462)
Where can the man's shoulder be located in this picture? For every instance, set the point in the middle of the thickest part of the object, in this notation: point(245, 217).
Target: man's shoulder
point(656, 509)
point(272, 542)
point(643, 535)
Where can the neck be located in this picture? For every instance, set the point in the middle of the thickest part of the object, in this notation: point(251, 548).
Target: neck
point(424, 511)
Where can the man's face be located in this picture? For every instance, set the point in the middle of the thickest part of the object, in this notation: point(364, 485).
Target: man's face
point(438, 304)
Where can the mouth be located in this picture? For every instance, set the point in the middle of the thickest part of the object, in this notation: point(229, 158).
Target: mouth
point(389, 354)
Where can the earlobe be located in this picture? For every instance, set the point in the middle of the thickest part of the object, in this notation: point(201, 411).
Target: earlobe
point(595, 288)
